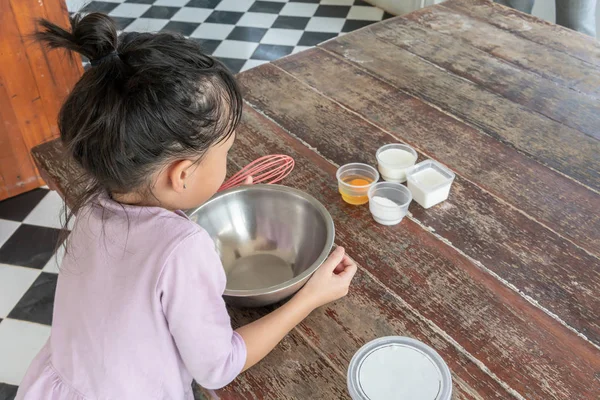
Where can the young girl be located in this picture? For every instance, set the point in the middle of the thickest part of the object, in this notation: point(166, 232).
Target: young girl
point(138, 311)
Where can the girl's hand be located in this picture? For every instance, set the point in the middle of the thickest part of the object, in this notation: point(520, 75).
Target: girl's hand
point(328, 283)
point(249, 180)
point(331, 281)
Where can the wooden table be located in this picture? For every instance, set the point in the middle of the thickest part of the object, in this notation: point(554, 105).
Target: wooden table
point(502, 279)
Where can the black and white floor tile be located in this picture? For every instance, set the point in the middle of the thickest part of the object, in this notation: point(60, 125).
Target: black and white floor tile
point(243, 34)
point(29, 231)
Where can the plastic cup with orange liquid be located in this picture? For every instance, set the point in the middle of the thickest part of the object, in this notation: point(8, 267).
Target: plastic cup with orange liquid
point(354, 181)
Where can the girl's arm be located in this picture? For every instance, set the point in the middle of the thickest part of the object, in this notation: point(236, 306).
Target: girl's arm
point(328, 283)
point(190, 290)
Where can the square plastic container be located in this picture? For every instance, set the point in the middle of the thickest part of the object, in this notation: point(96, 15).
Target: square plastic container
point(393, 160)
point(388, 202)
point(354, 182)
point(429, 182)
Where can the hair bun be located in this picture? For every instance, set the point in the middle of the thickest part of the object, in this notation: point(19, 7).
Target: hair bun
point(93, 35)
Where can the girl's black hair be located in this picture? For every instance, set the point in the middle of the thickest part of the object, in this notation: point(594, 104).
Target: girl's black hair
point(149, 99)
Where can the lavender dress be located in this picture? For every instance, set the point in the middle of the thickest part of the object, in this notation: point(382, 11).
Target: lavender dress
point(138, 311)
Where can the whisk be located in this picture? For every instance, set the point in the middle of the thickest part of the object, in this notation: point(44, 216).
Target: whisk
point(268, 169)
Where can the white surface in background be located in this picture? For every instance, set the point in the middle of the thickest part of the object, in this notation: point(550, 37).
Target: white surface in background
point(76, 5)
point(14, 282)
point(41, 217)
point(544, 9)
point(20, 342)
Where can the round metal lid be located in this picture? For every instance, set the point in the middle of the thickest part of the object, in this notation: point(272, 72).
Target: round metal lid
point(397, 367)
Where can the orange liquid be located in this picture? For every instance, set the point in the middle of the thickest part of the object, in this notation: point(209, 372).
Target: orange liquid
point(358, 196)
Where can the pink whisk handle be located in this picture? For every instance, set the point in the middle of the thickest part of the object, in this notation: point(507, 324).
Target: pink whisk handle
point(268, 169)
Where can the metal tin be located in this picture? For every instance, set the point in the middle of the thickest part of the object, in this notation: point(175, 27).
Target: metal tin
point(398, 368)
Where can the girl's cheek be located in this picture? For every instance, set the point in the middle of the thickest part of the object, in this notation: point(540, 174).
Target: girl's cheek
point(225, 164)
point(223, 173)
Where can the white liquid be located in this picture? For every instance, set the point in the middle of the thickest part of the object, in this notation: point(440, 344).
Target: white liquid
point(393, 164)
point(386, 211)
point(400, 372)
point(422, 186)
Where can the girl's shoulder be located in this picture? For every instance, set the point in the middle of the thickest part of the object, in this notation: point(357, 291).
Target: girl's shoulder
point(133, 232)
point(194, 259)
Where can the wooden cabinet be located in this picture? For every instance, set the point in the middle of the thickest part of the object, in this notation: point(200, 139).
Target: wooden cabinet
point(33, 84)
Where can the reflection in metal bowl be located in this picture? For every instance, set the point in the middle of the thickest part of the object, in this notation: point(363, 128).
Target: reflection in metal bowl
point(270, 239)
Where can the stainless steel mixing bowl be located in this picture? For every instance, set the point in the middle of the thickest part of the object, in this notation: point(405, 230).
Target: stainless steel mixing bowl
point(270, 239)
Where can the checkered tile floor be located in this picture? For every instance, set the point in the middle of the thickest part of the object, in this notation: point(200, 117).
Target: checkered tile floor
point(242, 33)
point(29, 229)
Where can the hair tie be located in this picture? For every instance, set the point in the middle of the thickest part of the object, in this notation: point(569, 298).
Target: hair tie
point(97, 61)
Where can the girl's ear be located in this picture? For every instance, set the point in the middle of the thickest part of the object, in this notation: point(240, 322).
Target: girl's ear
point(179, 175)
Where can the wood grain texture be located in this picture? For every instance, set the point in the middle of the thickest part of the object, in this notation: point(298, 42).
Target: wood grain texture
point(62, 171)
point(284, 373)
point(544, 33)
point(370, 310)
point(391, 318)
point(498, 168)
point(504, 240)
point(48, 75)
point(562, 148)
point(15, 161)
point(559, 67)
point(69, 63)
point(517, 341)
point(293, 371)
point(532, 91)
point(520, 344)
point(291, 381)
point(19, 81)
point(35, 83)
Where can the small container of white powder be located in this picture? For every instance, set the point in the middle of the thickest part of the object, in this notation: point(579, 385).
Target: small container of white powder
point(397, 367)
point(429, 182)
point(393, 160)
point(388, 202)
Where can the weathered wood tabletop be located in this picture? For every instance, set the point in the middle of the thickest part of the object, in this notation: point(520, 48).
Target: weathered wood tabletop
point(502, 279)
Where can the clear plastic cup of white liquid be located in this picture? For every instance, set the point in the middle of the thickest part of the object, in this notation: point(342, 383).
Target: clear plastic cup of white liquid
point(393, 160)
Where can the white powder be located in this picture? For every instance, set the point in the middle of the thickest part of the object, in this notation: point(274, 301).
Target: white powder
point(384, 201)
point(386, 211)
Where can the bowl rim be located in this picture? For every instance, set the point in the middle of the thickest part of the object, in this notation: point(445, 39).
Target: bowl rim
point(330, 226)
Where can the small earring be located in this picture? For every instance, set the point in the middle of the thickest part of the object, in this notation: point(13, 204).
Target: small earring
point(185, 187)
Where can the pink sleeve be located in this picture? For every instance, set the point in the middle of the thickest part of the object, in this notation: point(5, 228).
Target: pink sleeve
point(191, 289)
